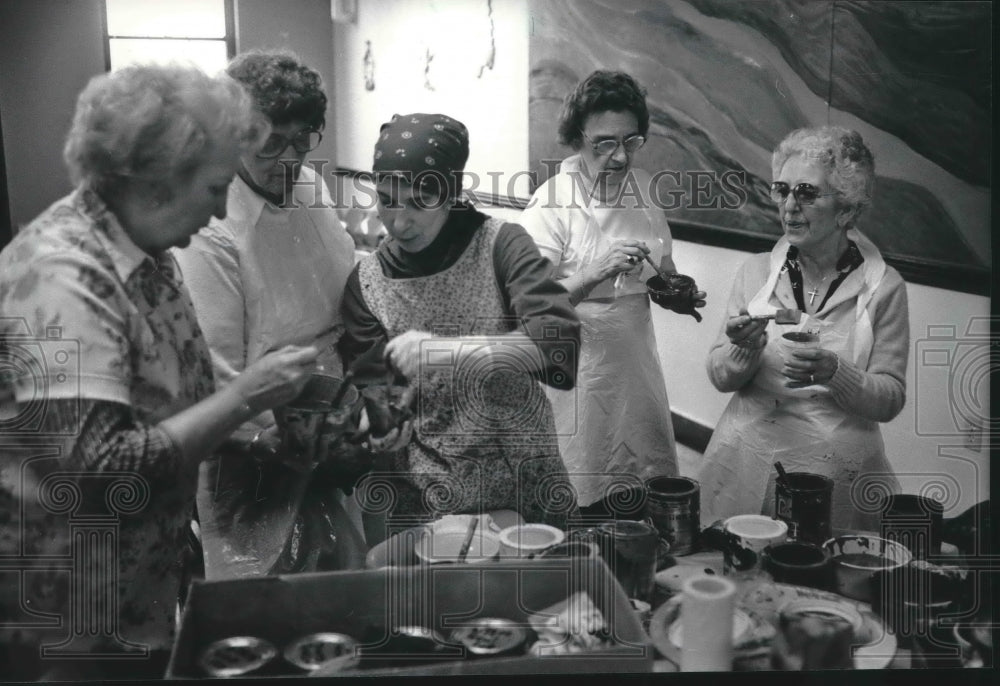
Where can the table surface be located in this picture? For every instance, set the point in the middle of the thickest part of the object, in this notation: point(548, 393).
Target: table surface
point(711, 561)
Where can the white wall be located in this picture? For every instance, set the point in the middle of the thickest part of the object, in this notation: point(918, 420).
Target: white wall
point(496, 110)
point(305, 27)
point(457, 34)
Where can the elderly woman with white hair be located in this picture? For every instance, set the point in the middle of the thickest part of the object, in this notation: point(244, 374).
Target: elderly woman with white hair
point(815, 409)
point(129, 407)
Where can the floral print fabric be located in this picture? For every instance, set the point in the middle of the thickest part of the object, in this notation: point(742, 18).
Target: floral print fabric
point(482, 441)
point(103, 321)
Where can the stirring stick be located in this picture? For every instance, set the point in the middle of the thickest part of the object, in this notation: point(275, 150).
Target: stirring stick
point(467, 543)
point(342, 391)
point(782, 474)
point(662, 275)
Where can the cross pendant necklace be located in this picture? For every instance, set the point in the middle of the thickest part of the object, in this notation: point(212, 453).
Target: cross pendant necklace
point(812, 295)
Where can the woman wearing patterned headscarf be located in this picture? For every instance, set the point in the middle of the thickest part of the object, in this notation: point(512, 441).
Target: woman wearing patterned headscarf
point(461, 306)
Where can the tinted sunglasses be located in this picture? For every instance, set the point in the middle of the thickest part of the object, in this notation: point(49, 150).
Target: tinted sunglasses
point(805, 193)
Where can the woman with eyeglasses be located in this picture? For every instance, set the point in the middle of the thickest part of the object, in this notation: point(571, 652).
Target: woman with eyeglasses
point(817, 408)
point(112, 372)
point(270, 273)
point(596, 222)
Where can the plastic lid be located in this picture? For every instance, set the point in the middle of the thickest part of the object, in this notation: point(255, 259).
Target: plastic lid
point(755, 526)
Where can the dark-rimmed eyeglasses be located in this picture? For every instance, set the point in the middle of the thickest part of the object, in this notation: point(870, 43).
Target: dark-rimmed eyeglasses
point(804, 193)
point(610, 145)
point(303, 142)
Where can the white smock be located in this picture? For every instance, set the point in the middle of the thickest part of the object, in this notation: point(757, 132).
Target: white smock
point(803, 428)
point(262, 278)
point(614, 426)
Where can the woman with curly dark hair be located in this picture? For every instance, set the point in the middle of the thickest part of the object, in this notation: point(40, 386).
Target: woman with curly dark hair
point(270, 273)
point(614, 428)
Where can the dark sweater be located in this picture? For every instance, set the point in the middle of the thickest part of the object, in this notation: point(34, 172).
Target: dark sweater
point(539, 305)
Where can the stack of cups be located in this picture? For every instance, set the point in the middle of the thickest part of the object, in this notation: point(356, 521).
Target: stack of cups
point(707, 607)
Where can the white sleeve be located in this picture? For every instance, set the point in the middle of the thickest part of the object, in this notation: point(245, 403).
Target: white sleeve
point(544, 223)
point(211, 271)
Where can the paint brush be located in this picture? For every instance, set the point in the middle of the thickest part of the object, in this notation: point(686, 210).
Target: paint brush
point(781, 316)
point(662, 275)
point(467, 543)
point(782, 474)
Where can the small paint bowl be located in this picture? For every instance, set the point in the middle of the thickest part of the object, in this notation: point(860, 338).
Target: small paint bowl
point(527, 540)
point(859, 560)
point(436, 547)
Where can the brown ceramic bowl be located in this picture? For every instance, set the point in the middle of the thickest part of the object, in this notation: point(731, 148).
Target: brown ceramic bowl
point(676, 292)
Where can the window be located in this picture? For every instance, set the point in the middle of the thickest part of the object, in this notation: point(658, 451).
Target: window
point(196, 31)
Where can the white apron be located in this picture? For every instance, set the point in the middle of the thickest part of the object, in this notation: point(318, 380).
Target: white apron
point(614, 425)
point(294, 295)
point(805, 429)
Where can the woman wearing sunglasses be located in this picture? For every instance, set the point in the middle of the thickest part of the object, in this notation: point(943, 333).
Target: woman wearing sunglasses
point(270, 273)
point(815, 409)
point(596, 222)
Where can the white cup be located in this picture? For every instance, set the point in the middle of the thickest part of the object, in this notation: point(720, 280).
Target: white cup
point(708, 607)
point(526, 540)
point(747, 536)
point(797, 340)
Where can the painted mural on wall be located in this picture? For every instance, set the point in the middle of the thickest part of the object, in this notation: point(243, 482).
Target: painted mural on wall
point(728, 79)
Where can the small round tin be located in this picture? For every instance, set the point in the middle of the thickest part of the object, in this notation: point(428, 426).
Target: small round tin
point(327, 651)
point(402, 646)
point(236, 656)
point(491, 636)
point(416, 639)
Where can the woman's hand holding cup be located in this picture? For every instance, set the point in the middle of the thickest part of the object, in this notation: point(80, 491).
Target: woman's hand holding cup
point(277, 378)
point(809, 366)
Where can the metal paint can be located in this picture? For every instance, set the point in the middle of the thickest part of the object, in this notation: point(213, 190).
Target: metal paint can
point(673, 505)
point(802, 501)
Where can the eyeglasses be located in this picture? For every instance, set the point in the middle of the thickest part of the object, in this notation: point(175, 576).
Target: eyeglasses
point(610, 145)
point(303, 142)
point(805, 193)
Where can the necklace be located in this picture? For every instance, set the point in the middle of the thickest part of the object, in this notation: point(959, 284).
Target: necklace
point(815, 291)
point(847, 263)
